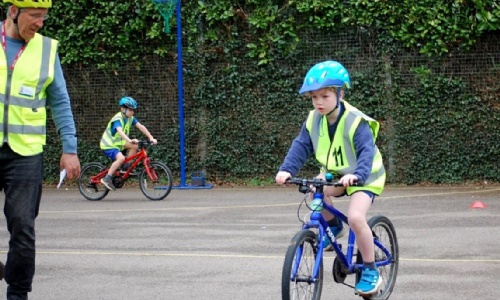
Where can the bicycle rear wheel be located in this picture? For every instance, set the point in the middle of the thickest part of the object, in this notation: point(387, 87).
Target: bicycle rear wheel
point(159, 185)
point(383, 230)
point(89, 190)
point(296, 279)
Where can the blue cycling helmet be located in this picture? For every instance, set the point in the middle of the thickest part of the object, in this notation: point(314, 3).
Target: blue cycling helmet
point(326, 74)
point(128, 102)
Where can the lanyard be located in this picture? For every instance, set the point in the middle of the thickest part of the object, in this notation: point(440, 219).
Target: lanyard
point(4, 45)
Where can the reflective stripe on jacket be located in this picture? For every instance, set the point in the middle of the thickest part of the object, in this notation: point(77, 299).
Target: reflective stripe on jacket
point(109, 141)
point(23, 95)
point(339, 156)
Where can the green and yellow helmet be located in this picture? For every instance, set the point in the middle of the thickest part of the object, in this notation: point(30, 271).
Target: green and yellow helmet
point(30, 3)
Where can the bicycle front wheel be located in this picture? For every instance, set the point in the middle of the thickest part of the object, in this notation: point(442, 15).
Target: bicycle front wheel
point(91, 191)
point(297, 280)
point(159, 184)
point(383, 230)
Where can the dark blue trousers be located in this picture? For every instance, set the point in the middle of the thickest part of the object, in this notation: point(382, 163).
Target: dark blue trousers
point(21, 180)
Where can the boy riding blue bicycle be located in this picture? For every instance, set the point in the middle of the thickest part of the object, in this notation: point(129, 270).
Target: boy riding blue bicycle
point(116, 138)
point(342, 138)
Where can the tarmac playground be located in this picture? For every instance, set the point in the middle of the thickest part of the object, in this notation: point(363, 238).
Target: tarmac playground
point(229, 243)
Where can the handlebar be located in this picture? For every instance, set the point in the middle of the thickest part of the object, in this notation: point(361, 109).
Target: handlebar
point(306, 184)
point(315, 185)
point(144, 143)
point(316, 182)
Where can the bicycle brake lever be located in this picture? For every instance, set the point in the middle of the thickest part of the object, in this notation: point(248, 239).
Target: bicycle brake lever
point(304, 189)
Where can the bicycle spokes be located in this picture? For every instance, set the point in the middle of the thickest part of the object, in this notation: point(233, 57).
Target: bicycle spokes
point(155, 181)
point(89, 183)
point(298, 278)
point(386, 253)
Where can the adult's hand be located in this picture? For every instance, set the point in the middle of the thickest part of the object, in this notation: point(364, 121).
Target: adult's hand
point(71, 164)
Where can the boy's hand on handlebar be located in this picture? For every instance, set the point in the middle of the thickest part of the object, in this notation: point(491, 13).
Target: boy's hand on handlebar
point(134, 141)
point(348, 180)
point(153, 141)
point(282, 176)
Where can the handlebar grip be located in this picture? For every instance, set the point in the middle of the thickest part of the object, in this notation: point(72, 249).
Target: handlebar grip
point(357, 183)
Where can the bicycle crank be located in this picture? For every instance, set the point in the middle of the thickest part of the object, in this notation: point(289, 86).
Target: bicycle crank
point(339, 272)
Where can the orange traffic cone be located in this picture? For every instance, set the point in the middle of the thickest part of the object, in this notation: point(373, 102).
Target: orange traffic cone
point(478, 204)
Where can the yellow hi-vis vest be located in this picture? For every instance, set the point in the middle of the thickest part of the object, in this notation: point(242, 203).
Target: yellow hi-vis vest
point(109, 141)
point(339, 156)
point(23, 96)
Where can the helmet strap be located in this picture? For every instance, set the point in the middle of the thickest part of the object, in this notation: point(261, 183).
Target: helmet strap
point(14, 20)
point(339, 91)
point(331, 112)
point(17, 16)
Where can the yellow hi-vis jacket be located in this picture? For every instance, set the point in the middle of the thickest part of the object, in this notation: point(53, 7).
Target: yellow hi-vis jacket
point(109, 141)
point(339, 156)
point(23, 95)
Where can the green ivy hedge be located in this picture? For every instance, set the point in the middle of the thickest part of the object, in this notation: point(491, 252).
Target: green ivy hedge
point(247, 58)
point(442, 133)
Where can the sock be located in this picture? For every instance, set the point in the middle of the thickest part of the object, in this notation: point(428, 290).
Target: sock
point(370, 265)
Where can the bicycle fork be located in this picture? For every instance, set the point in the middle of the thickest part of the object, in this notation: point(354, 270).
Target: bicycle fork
point(150, 171)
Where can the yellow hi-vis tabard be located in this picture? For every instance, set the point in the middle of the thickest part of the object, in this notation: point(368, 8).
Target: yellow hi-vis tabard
point(339, 156)
point(109, 141)
point(23, 96)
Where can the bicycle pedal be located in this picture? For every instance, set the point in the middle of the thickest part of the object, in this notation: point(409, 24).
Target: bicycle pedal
point(366, 295)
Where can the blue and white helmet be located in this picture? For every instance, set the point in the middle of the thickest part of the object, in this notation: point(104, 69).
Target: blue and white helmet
point(128, 102)
point(326, 74)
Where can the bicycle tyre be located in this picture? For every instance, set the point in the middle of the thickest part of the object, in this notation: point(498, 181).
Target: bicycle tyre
point(304, 289)
point(383, 229)
point(156, 190)
point(89, 190)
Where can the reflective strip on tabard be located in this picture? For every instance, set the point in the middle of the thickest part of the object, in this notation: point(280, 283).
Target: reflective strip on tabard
point(23, 102)
point(44, 68)
point(25, 129)
point(351, 122)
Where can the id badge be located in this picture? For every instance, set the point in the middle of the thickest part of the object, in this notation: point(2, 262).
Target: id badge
point(27, 91)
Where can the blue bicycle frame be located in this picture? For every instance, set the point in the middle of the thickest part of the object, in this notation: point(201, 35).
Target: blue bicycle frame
point(318, 221)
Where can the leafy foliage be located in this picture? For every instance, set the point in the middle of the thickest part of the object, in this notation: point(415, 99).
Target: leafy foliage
point(98, 31)
point(247, 58)
point(435, 27)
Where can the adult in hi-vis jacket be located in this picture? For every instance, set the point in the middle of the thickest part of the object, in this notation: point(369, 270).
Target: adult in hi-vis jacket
point(31, 79)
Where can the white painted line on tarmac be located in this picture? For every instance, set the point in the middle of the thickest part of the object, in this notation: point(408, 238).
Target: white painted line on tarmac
point(437, 194)
point(449, 260)
point(169, 208)
point(205, 255)
point(260, 206)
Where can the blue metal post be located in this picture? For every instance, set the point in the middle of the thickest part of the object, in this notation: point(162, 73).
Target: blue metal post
point(181, 95)
point(181, 107)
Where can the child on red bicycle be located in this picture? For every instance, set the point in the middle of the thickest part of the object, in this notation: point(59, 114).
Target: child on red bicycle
point(342, 139)
point(115, 138)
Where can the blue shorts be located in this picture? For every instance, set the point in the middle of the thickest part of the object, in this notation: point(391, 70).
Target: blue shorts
point(111, 153)
point(370, 194)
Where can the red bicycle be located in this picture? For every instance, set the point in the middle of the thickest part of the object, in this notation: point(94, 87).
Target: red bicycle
point(155, 180)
